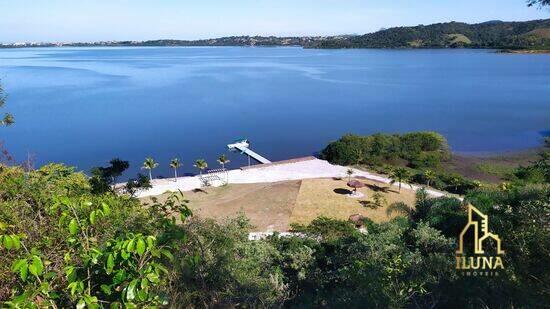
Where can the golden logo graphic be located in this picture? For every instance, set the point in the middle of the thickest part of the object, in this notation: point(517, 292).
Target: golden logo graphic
point(477, 229)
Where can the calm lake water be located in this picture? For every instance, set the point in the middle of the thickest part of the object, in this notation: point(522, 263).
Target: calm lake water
point(84, 106)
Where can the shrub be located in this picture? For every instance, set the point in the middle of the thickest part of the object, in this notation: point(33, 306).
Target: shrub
point(418, 149)
point(64, 247)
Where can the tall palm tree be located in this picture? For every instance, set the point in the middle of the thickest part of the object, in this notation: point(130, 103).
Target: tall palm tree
point(430, 177)
point(149, 165)
point(223, 160)
point(175, 164)
point(349, 172)
point(456, 181)
point(399, 175)
point(201, 165)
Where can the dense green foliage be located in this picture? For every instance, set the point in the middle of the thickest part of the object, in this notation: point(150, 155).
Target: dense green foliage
point(62, 245)
point(416, 157)
point(538, 171)
point(493, 34)
point(418, 149)
point(103, 179)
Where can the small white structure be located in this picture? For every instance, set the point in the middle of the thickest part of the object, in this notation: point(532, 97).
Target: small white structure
point(214, 178)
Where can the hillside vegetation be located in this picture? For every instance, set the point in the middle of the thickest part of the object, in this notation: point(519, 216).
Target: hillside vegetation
point(62, 246)
point(425, 158)
point(494, 34)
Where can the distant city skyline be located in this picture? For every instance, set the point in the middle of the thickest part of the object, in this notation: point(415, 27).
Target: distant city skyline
point(138, 20)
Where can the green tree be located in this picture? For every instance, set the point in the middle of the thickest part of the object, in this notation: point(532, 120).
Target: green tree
point(221, 267)
point(430, 176)
point(105, 178)
point(201, 165)
point(399, 175)
point(8, 118)
point(223, 160)
point(175, 164)
point(456, 181)
point(149, 165)
point(116, 169)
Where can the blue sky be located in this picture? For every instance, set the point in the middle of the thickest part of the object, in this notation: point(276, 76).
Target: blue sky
point(87, 20)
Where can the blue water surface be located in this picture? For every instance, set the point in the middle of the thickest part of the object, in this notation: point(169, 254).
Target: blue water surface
point(84, 106)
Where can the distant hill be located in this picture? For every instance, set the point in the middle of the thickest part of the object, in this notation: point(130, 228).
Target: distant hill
point(533, 34)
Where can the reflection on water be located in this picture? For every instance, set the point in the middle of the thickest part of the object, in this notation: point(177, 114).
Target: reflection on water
point(84, 106)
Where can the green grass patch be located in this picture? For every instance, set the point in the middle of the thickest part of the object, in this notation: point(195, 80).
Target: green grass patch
point(457, 38)
point(496, 169)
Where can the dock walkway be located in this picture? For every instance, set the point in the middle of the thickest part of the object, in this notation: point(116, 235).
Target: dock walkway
point(243, 148)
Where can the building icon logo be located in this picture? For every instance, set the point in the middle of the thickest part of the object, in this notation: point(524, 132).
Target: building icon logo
point(474, 241)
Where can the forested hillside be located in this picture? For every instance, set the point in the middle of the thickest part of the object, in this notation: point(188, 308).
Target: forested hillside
point(533, 34)
point(492, 34)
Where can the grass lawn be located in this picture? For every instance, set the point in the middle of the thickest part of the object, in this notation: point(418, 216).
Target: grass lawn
point(273, 206)
point(267, 205)
point(326, 197)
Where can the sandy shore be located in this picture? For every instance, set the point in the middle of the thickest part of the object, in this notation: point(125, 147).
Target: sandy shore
point(296, 169)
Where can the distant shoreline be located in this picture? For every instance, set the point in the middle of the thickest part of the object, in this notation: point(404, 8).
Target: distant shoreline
point(491, 167)
point(496, 50)
point(524, 51)
point(494, 34)
point(501, 154)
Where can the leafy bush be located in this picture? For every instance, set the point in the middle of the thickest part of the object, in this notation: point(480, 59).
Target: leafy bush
point(418, 149)
point(219, 266)
point(63, 246)
point(537, 172)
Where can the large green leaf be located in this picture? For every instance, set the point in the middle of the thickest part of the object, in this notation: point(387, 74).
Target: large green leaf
point(110, 264)
point(140, 247)
point(16, 241)
point(36, 267)
point(131, 246)
point(24, 271)
point(22, 267)
point(8, 242)
point(73, 227)
point(106, 209)
point(92, 217)
point(167, 254)
point(131, 290)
